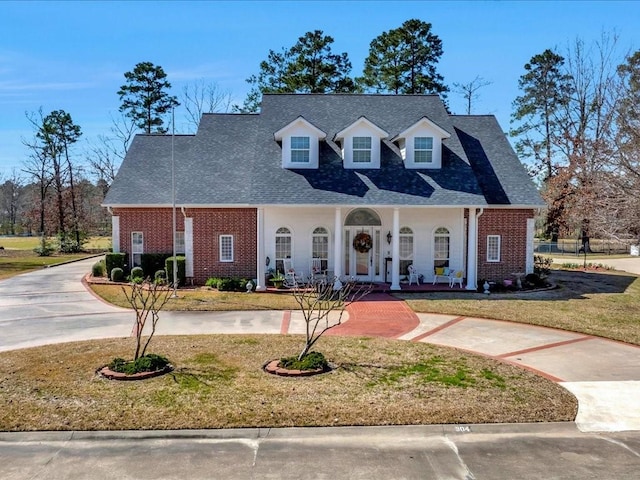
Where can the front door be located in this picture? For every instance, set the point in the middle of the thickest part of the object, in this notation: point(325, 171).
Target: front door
point(363, 265)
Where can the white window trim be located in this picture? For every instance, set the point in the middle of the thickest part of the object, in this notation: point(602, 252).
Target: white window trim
point(491, 259)
point(416, 150)
point(354, 150)
point(441, 235)
point(307, 150)
point(406, 143)
point(136, 249)
point(222, 258)
point(360, 128)
point(300, 128)
point(180, 245)
point(134, 245)
point(326, 235)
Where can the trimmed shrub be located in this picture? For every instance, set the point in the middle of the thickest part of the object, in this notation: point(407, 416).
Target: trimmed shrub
point(114, 260)
point(227, 285)
point(117, 274)
point(168, 266)
point(152, 262)
point(45, 249)
point(160, 277)
point(541, 265)
point(137, 272)
point(232, 284)
point(535, 280)
point(212, 282)
point(97, 270)
point(149, 363)
point(311, 361)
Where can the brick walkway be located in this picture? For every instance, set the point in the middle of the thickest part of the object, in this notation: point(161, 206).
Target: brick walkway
point(378, 315)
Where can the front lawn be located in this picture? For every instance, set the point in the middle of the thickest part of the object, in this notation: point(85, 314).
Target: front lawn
point(605, 304)
point(15, 262)
point(218, 382)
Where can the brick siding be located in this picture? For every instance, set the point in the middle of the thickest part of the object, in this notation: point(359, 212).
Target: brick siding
point(208, 225)
point(511, 225)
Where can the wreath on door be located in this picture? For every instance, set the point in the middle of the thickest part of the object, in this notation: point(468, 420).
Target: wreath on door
point(362, 242)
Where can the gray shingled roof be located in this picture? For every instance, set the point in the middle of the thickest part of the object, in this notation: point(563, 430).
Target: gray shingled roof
point(234, 160)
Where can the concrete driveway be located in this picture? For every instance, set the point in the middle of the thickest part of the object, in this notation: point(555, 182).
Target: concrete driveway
point(52, 305)
point(630, 264)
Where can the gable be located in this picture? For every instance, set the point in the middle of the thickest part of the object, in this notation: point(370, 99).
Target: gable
point(421, 144)
point(299, 140)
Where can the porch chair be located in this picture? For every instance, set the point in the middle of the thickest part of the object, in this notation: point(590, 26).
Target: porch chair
point(441, 273)
point(316, 269)
point(413, 275)
point(456, 277)
point(291, 277)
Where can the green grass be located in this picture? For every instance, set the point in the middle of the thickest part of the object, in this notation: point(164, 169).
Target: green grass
point(605, 304)
point(29, 243)
point(15, 262)
point(219, 382)
point(205, 299)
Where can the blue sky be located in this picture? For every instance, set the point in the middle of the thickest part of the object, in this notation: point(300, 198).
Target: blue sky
point(72, 55)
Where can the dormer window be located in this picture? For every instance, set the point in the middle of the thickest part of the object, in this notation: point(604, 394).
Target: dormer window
point(421, 144)
point(360, 144)
point(300, 143)
point(423, 149)
point(361, 149)
point(300, 149)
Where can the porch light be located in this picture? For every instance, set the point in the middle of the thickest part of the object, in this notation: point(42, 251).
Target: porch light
point(389, 237)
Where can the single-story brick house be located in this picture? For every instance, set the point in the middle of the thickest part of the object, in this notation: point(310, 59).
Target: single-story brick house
point(363, 184)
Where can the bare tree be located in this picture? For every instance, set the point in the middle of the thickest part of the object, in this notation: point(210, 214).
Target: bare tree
point(11, 199)
point(469, 91)
point(146, 298)
point(586, 137)
point(38, 165)
point(323, 305)
point(106, 155)
point(200, 97)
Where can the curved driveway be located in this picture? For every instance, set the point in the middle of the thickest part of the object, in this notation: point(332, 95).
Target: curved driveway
point(52, 306)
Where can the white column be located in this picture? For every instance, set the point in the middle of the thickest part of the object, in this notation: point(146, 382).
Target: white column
point(115, 234)
point(188, 246)
point(261, 270)
point(337, 243)
point(531, 227)
point(472, 251)
point(395, 251)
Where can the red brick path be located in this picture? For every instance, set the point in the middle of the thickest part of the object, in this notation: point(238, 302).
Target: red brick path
point(378, 315)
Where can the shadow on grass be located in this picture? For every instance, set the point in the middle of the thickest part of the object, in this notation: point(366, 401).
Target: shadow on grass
point(571, 284)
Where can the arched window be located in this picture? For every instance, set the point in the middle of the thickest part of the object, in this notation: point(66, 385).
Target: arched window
point(320, 246)
point(362, 217)
point(441, 241)
point(283, 247)
point(406, 249)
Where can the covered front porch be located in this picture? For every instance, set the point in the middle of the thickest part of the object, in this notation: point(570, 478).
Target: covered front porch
point(369, 244)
